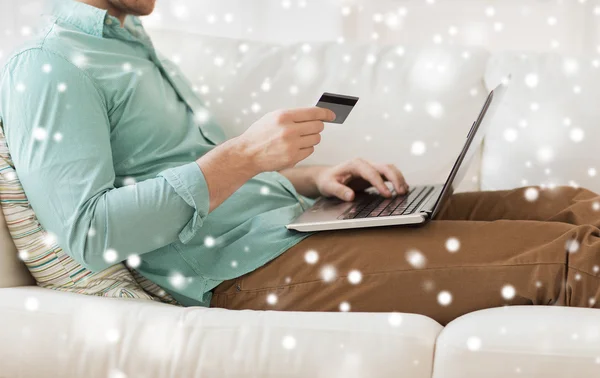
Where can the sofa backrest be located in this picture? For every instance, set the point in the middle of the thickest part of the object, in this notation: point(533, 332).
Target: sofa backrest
point(416, 104)
point(12, 270)
point(546, 131)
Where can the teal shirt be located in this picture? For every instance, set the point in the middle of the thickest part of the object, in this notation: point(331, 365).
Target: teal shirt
point(104, 134)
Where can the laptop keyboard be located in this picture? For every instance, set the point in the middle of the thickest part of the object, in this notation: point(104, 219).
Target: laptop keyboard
point(371, 206)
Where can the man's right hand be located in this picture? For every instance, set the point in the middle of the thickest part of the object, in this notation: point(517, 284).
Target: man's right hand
point(283, 138)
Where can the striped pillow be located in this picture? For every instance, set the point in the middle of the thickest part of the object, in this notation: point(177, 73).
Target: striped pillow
point(51, 267)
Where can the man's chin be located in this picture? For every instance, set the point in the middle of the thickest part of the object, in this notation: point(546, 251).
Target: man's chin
point(138, 10)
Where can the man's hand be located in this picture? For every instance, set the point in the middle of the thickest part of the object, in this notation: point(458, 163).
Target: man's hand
point(344, 180)
point(276, 141)
point(283, 138)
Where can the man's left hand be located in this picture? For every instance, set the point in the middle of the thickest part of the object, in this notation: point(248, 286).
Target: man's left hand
point(345, 179)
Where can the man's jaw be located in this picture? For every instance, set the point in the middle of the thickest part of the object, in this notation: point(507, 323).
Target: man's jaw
point(128, 7)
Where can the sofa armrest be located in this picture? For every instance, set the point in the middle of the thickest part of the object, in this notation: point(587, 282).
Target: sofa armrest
point(48, 333)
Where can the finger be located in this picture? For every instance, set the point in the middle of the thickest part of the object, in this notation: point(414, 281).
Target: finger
point(309, 140)
point(337, 189)
point(311, 114)
point(304, 153)
point(394, 175)
point(369, 173)
point(308, 128)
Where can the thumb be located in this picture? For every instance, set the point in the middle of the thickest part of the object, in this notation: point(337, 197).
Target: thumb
point(336, 189)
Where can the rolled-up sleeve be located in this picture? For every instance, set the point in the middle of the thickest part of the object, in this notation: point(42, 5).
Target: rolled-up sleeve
point(59, 134)
point(189, 183)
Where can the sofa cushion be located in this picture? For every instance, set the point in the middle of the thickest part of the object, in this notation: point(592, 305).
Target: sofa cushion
point(50, 266)
point(103, 337)
point(546, 131)
point(12, 270)
point(521, 341)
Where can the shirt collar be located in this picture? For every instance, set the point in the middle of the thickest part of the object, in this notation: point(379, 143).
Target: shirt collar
point(87, 18)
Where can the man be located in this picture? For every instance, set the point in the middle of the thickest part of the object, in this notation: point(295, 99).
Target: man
point(118, 158)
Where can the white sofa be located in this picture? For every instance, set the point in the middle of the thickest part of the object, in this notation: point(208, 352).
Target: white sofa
point(416, 105)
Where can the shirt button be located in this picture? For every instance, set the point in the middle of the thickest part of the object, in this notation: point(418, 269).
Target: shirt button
point(108, 21)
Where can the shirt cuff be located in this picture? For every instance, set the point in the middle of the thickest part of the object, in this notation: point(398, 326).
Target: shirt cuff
point(189, 183)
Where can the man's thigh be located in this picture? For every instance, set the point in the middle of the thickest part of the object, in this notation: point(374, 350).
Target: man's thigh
point(443, 269)
point(562, 204)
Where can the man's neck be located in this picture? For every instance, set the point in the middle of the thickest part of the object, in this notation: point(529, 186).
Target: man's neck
point(105, 4)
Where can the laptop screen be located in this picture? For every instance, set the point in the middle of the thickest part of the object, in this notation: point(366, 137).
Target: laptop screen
point(474, 140)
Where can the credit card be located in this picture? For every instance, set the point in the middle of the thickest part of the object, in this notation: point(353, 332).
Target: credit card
point(341, 105)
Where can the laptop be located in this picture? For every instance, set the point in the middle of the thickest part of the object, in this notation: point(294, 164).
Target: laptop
point(419, 205)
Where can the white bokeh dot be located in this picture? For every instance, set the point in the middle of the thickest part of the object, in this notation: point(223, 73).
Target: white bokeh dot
point(355, 277)
point(435, 109)
point(49, 239)
point(113, 336)
point(209, 241)
point(255, 107)
point(344, 307)
point(264, 190)
point(289, 342)
point(418, 148)
point(177, 280)
point(40, 133)
point(576, 134)
point(32, 304)
point(510, 134)
point(23, 254)
point(452, 245)
point(395, 319)
point(311, 256)
point(531, 194)
point(201, 116)
point(266, 85)
point(110, 255)
point(572, 246)
point(508, 292)
point(328, 273)
point(416, 259)
point(545, 154)
point(272, 299)
point(473, 343)
point(134, 261)
point(218, 61)
point(61, 87)
point(532, 80)
point(444, 298)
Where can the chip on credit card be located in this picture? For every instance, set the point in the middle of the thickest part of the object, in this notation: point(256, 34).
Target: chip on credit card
point(341, 105)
